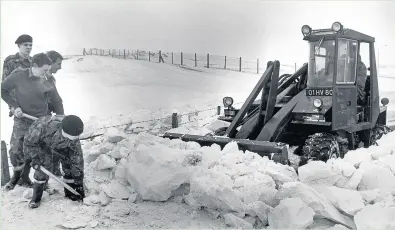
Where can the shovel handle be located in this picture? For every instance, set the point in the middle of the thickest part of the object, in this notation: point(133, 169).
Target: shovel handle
point(58, 180)
point(29, 117)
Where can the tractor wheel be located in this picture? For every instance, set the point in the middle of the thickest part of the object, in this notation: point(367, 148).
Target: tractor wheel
point(377, 132)
point(322, 146)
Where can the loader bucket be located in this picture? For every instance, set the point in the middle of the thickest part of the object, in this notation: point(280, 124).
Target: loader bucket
point(277, 152)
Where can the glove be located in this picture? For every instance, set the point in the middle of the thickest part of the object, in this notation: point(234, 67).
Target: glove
point(78, 186)
point(17, 112)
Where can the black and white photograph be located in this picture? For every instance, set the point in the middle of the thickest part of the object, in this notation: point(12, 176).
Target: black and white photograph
point(197, 114)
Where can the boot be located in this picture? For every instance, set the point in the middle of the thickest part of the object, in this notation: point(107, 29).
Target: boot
point(38, 190)
point(14, 180)
point(25, 179)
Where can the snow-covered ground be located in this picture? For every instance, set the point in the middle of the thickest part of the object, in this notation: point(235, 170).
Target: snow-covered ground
point(139, 180)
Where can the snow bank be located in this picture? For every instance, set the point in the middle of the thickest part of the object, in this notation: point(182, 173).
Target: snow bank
point(243, 188)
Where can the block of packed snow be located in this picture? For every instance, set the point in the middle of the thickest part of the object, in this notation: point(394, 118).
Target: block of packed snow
point(376, 177)
point(322, 224)
point(236, 222)
point(120, 172)
point(374, 217)
point(212, 189)
point(388, 161)
point(210, 155)
point(113, 135)
point(356, 157)
point(104, 199)
point(280, 173)
point(344, 169)
point(374, 196)
point(318, 173)
point(156, 181)
point(268, 196)
point(215, 125)
point(105, 162)
point(255, 185)
point(346, 200)
point(322, 206)
point(259, 209)
point(106, 147)
point(291, 213)
point(353, 181)
point(116, 190)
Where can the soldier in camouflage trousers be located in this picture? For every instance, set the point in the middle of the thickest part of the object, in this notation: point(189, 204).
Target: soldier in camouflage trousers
point(56, 135)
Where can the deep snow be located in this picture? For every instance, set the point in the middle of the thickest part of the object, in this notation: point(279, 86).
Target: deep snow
point(202, 187)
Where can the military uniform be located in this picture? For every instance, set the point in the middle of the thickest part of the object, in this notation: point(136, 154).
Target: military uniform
point(32, 95)
point(42, 142)
point(14, 62)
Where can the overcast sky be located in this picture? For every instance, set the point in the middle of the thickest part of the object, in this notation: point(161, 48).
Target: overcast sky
point(248, 28)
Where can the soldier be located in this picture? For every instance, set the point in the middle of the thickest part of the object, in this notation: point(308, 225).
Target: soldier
point(56, 59)
point(32, 93)
point(59, 134)
point(21, 59)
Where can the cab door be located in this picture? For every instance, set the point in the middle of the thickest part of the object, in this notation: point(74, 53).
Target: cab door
point(344, 96)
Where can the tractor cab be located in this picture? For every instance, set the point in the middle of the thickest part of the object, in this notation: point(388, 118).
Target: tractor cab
point(338, 80)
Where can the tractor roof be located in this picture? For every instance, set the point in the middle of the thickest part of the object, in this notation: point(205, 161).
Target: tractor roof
point(316, 35)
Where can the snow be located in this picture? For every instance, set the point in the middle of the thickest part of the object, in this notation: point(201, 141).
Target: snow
point(136, 179)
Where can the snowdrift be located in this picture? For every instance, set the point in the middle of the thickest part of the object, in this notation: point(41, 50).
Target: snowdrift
point(244, 189)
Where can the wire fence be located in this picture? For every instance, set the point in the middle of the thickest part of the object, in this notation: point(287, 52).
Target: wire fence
point(150, 130)
point(190, 59)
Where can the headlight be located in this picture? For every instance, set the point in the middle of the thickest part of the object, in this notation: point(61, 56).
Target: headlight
point(317, 103)
point(306, 30)
point(228, 101)
point(337, 26)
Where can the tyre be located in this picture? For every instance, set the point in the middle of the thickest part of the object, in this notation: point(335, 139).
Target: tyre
point(321, 146)
point(377, 132)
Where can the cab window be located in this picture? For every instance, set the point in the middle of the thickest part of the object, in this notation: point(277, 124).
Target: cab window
point(346, 61)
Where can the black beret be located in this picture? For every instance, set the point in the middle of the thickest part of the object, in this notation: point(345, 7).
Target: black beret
point(24, 38)
point(72, 125)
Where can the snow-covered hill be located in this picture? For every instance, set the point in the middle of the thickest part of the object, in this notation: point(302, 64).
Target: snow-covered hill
point(140, 180)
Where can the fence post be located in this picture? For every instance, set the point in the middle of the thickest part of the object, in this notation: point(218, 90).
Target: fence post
point(219, 110)
point(83, 52)
point(174, 120)
point(240, 65)
point(181, 59)
point(149, 55)
point(195, 60)
point(208, 60)
point(109, 52)
point(137, 54)
point(225, 63)
point(5, 170)
point(124, 53)
point(257, 65)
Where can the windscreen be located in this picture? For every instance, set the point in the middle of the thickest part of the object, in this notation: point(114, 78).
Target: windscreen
point(321, 63)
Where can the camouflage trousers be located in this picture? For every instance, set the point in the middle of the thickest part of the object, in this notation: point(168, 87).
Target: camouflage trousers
point(17, 156)
point(21, 126)
point(72, 165)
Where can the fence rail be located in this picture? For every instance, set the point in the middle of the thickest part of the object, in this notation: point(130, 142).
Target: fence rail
point(190, 59)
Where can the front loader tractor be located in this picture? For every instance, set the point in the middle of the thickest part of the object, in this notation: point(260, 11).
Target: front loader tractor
point(328, 106)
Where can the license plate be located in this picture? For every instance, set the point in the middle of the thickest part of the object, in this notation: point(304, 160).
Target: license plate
point(319, 92)
point(232, 113)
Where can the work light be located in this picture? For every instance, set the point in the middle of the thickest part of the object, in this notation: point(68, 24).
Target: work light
point(337, 26)
point(306, 30)
point(228, 101)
